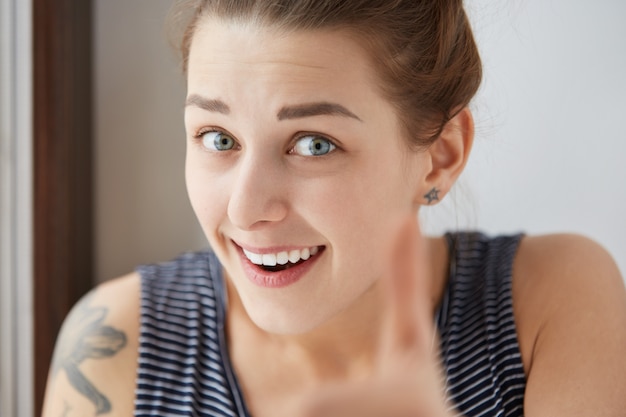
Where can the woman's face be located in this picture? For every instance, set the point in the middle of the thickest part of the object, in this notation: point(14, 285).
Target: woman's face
point(295, 161)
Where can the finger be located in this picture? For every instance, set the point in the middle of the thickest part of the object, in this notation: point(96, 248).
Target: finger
point(345, 400)
point(397, 398)
point(410, 321)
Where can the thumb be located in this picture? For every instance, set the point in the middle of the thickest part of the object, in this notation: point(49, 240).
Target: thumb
point(408, 289)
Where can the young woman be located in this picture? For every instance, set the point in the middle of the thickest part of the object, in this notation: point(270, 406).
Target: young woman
point(316, 131)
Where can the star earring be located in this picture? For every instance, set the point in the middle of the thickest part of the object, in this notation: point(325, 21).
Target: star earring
point(432, 195)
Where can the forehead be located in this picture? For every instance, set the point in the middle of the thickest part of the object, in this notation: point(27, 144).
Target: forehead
point(331, 57)
point(257, 39)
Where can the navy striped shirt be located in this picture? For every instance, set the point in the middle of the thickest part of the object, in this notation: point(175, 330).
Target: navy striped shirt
point(184, 369)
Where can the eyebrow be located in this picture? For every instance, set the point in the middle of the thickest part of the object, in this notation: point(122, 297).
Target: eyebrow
point(212, 105)
point(315, 109)
point(288, 112)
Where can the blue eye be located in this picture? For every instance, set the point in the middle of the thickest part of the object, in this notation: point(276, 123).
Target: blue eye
point(312, 145)
point(218, 141)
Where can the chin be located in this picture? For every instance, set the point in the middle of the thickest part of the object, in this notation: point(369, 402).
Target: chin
point(287, 321)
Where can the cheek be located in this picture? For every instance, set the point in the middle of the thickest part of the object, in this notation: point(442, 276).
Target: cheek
point(356, 212)
point(363, 194)
point(204, 194)
point(193, 181)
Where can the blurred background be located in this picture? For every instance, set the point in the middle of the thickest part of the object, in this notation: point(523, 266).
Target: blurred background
point(142, 213)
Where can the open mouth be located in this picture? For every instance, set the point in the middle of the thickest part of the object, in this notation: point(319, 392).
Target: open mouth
point(279, 267)
point(275, 262)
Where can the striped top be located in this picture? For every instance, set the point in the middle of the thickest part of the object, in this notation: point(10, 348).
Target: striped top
point(184, 368)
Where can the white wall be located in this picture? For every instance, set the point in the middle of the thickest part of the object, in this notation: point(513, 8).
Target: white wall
point(142, 211)
point(547, 158)
point(550, 142)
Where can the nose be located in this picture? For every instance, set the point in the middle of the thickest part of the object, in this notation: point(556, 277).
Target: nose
point(258, 195)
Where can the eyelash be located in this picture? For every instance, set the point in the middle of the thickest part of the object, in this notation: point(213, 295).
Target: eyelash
point(198, 136)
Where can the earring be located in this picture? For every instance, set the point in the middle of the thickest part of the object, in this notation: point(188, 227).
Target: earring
point(432, 195)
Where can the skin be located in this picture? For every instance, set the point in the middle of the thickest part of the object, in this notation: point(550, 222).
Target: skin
point(375, 285)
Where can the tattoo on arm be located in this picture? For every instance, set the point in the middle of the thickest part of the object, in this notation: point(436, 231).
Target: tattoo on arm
point(85, 337)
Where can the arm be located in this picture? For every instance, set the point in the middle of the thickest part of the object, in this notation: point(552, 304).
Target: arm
point(570, 305)
point(94, 363)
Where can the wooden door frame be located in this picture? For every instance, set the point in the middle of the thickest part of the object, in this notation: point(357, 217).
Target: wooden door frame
point(62, 142)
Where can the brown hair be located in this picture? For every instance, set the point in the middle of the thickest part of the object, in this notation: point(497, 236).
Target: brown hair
point(423, 50)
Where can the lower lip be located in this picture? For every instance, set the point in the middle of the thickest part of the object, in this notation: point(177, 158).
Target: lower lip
point(278, 279)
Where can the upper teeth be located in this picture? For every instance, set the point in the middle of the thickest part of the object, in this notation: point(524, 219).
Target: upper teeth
point(281, 258)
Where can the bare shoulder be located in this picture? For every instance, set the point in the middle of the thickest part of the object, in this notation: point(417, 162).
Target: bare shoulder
point(555, 273)
point(565, 253)
point(95, 359)
point(570, 308)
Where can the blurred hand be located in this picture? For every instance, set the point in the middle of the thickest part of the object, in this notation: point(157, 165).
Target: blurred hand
point(407, 381)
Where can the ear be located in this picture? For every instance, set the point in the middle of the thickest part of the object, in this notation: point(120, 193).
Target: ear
point(448, 156)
